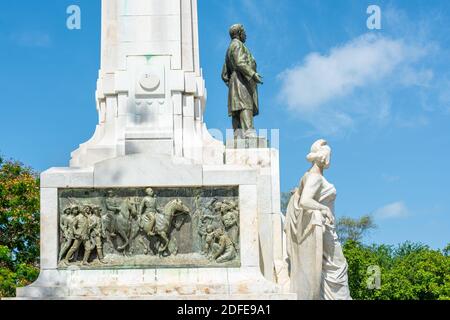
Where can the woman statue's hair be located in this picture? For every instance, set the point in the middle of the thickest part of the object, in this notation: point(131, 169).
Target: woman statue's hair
point(320, 151)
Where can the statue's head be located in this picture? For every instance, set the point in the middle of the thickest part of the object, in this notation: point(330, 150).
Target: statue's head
point(149, 192)
point(97, 211)
point(231, 203)
point(217, 206)
point(67, 211)
point(219, 232)
point(237, 31)
point(87, 210)
point(75, 210)
point(320, 154)
point(227, 206)
point(212, 204)
point(209, 228)
point(228, 220)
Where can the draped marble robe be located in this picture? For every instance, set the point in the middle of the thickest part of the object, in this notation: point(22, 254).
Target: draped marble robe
point(318, 268)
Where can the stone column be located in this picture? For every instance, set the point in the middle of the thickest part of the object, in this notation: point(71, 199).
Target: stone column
point(150, 92)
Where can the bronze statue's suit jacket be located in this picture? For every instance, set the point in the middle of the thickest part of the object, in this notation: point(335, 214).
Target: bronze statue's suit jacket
point(238, 72)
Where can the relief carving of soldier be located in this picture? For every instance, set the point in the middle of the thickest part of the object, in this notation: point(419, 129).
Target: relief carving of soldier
point(112, 202)
point(229, 213)
point(82, 235)
point(231, 226)
point(208, 217)
point(138, 226)
point(209, 240)
point(95, 225)
point(66, 227)
point(223, 248)
point(113, 207)
point(148, 210)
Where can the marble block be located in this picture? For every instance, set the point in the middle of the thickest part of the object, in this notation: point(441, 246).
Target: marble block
point(248, 280)
point(247, 143)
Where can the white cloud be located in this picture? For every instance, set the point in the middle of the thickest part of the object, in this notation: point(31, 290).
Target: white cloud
point(315, 89)
point(392, 211)
point(358, 63)
point(390, 178)
point(413, 122)
point(31, 39)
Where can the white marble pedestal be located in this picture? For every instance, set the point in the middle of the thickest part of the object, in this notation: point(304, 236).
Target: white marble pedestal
point(142, 170)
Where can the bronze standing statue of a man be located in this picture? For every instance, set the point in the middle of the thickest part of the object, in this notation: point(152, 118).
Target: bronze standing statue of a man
point(241, 76)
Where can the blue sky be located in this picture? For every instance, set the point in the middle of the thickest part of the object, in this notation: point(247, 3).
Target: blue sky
point(381, 98)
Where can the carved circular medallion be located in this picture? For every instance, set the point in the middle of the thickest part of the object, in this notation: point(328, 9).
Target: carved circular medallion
point(149, 81)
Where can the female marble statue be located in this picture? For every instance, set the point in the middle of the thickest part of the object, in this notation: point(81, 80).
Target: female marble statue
point(318, 268)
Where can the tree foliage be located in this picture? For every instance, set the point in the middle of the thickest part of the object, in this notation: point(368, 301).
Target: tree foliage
point(19, 226)
point(354, 229)
point(408, 272)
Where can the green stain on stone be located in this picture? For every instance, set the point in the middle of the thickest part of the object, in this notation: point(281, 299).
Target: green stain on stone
point(148, 57)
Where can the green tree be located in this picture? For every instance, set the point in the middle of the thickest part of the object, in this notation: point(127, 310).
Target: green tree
point(19, 226)
point(408, 272)
point(418, 273)
point(446, 250)
point(354, 229)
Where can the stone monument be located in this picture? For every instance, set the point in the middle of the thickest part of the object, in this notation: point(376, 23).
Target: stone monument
point(152, 206)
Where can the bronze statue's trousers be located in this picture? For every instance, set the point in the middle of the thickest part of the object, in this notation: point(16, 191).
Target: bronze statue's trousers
point(243, 121)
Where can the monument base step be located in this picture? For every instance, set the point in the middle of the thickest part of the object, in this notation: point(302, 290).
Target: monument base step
point(204, 297)
point(168, 292)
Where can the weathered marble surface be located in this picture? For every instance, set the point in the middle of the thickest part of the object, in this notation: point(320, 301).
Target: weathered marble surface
point(149, 284)
point(168, 282)
point(150, 92)
point(247, 143)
